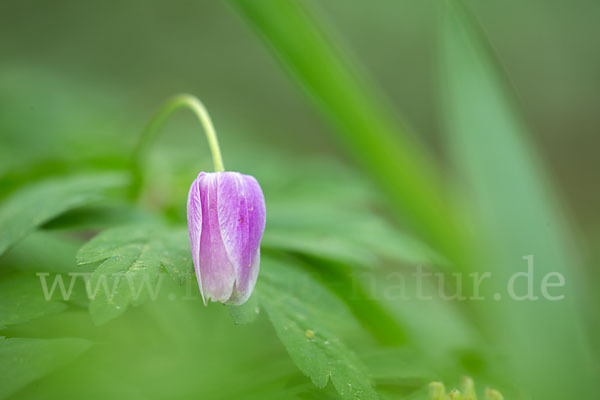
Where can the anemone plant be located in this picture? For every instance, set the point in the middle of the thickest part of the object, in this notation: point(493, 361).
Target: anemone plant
point(386, 225)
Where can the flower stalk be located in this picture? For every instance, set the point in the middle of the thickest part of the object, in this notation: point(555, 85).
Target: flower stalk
point(225, 212)
point(151, 130)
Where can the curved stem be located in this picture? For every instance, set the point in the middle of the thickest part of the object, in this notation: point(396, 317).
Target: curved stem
point(157, 121)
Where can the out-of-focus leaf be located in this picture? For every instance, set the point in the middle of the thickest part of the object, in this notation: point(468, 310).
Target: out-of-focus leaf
point(43, 251)
point(364, 122)
point(319, 244)
point(398, 363)
point(356, 236)
point(305, 316)
point(508, 192)
point(420, 394)
point(247, 312)
point(398, 372)
point(132, 257)
point(49, 259)
point(22, 299)
point(99, 217)
point(25, 210)
point(325, 209)
point(360, 298)
point(26, 360)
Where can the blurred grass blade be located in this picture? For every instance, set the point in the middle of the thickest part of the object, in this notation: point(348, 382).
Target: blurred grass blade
point(364, 122)
point(507, 190)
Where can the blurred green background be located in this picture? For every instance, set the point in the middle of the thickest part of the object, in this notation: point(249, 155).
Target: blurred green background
point(78, 81)
point(126, 57)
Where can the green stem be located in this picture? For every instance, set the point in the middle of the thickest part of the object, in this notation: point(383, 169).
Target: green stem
point(156, 123)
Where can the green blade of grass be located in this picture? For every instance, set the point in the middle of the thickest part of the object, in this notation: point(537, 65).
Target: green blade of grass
point(364, 122)
point(518, 214)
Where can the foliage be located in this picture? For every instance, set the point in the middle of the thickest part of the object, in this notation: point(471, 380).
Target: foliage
point(97, 286)
point(26, 360)
point(27, 209)
point(131, 260)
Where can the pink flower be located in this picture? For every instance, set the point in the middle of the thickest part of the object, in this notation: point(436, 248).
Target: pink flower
point(226, 220)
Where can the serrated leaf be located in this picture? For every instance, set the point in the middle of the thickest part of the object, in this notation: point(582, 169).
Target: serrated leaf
point(26, 360)
point(30, 207)
point(305, 315)
point(176, 255)
point(22, 299)
point(132, 258)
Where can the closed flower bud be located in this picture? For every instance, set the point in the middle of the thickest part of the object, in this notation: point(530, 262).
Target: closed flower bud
point(226, 220)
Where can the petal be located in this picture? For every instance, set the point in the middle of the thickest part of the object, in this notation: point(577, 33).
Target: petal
point(241, 293)
point(233, 217)
point(216, 269)
point(194, 218)
point(256, 222)
point(242, 222)
point(256, 212)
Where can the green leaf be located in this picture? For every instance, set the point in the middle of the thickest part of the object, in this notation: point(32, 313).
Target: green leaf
point(32, 206)
point(353, 236)
point(43, 251)
point(360, 299)
point(245, 313)
point(508, 191)
point(400, 363)
point(306, 316)
point(22, 299)
point(26, 360)
point(48, 258)
point(98, 217)
point(131, 260)
point(329, 210)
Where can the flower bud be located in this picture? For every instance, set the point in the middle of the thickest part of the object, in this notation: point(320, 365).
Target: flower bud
point(226, 220)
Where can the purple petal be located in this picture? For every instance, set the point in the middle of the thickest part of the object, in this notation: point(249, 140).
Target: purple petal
point(242, 223)
point(246, 283)
point(226, 221)
point(233, 217)
point(216, 268)
point(256, 211)
point(256, 223)
point(194, 217)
